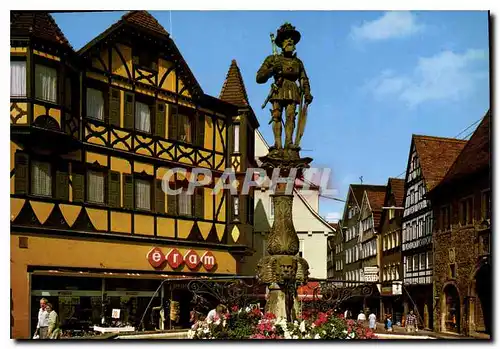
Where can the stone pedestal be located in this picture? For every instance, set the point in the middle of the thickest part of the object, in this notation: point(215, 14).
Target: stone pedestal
point(283, 271)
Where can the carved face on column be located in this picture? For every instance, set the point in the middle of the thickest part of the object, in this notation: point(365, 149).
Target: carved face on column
point(287, 268)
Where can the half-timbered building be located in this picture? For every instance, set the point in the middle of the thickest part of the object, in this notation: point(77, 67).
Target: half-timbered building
point(93, 134)
point(428, 161)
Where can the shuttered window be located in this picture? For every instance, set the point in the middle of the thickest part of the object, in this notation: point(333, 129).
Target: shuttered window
point(21, 175)
point(62, 182)
point(185, 205)
point(45, 83)
point(41, 178)
point(142, 194)
point(142, 117)
point(95, 187)
point(184, 129)
point(95, 104)
point(160, 120)
point(159, 197)
point(199, 203)
point(114, 189)
point(18, 79)
point(114, 107)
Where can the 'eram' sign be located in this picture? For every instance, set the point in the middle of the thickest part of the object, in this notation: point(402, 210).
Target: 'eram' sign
point(175, 259)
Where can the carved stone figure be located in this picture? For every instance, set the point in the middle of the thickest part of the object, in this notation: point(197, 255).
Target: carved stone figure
point(287, 70)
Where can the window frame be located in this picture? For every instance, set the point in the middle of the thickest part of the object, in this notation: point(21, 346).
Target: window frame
point(20, 59)
point(40, 61)
point(104, 172)
point(149, 102)
point(51, 171)
point(150, 181)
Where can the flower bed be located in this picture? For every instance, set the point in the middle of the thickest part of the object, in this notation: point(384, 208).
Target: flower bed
point(251, 323)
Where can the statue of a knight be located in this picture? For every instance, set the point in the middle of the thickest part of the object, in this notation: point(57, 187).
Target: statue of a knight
point(290, 88)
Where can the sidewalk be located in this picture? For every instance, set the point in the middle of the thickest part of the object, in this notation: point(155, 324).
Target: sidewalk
point(425, 333)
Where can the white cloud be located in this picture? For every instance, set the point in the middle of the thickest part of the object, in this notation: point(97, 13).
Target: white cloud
point(393, 24)
point(446, 76)
point(333, 217)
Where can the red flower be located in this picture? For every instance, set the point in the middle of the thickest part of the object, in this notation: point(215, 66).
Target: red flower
point(234, 308)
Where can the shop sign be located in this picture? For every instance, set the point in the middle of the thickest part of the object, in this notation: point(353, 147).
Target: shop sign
point(175, 259)
point(397, 288)
point(371, 274)
point(386, 291)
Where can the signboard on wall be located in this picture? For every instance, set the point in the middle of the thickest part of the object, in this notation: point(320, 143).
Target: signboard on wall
point(175, 259)
point(397, 288)
point(371, 274)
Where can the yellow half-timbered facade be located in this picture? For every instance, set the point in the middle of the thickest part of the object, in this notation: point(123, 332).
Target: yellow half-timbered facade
point(93, 133)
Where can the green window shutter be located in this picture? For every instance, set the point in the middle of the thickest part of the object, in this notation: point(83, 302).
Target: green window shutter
point(199, 203)
point(159, 197)
point(114, 106)
point(114, 189)
point(172, 121)
point(200, 129)
point(78, 184)
point(21, 175)
point(62, 182)
point(129, 110)
point(128, 191)
point(160, 119)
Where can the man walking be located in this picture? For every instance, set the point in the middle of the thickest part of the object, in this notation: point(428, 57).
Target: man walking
point(42, 326)
point(411, 322)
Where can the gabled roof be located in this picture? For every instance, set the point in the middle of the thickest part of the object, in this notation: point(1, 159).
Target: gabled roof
point(375, 196)
point(39, 24)
point(436, 155)
point(359, 189)
point(397, 187)
point(145, 21)
point(233, 89)
point(476, 154)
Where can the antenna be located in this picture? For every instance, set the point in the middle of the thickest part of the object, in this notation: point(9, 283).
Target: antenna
point(361, 179)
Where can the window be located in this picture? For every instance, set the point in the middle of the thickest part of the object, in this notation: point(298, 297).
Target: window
point(184, 128)
point(236, 138)
point(41, 179)
point(486, 205)
point(142, 117)
point(95, 187)
point(45, 83)
point(453, 270)
point(393, 240)
point(429, 260)
point(18, 78)
point(391, 214)
point(415, 262)
point(466, 211)
point(185, 206)
point(143, 194)
point(396, 277)
point(95, 104)
point(409, 263)
point(423, 261)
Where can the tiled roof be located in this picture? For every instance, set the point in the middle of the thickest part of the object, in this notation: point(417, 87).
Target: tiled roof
point(376, 196)
point(359, 189)
point(39, 24)
point(475, 156)
point(398, 189)
point(233, 90)
point(145, 20)
point(436, 155)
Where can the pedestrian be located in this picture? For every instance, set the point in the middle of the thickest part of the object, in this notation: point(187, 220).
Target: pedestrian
point(54, 331)
point(388, 323)
point(347, 314)
point(361, 316)
point(411, 322)
point(372, 321)
point(216, 314)
point(43, 321)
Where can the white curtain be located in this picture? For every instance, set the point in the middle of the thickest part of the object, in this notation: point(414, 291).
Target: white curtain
point(185, 207)
point(143, 194)
point(95, 187)
point(236, 138)
point(45, 83)
point(41, 179)
point(18, 79)
point(95, 104)
point(142, 117)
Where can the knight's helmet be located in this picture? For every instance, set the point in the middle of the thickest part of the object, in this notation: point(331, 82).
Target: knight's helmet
point(287, 31)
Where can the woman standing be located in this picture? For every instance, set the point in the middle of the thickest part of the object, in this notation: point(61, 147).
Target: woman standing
point(54, 331)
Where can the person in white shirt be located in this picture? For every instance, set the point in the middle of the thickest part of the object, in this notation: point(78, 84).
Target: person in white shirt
point(372, 321)
point(361, 316)
point(216, 314)
point(42, 326)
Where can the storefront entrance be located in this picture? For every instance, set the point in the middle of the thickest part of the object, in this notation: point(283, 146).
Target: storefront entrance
point(450, 305)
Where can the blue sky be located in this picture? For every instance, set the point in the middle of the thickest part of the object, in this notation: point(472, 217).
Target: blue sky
point(376, 77)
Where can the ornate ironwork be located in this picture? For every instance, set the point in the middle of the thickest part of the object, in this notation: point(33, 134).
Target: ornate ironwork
point(330, 294)
point(207, 293)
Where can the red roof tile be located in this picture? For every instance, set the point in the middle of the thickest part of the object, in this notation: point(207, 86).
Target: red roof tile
point(376, 197)
point(398, 189)
point(39, 24)
point(233, 90)
point(436, 155)
point(359, 189)
point(145, 20)
point(476, 154)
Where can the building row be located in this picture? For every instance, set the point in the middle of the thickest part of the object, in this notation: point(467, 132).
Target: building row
point(424, 239)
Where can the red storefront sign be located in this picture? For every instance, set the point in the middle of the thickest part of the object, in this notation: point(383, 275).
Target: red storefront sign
point(175, 259)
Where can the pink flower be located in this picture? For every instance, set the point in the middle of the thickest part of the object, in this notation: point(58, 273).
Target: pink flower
point(234, 308)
